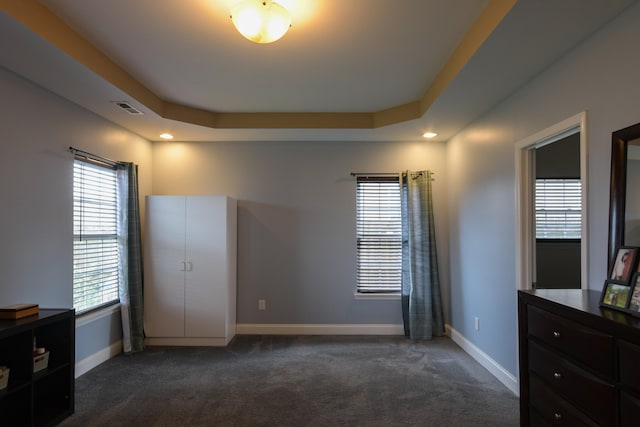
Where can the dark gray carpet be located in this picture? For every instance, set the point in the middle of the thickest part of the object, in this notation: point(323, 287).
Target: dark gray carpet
point(296, 381)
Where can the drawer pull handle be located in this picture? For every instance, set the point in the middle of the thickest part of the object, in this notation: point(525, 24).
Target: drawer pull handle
point(556, 334)
point(557, 416)
point(557, 375)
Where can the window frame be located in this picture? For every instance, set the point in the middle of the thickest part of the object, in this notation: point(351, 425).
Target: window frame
point(85, 231)
point(564, 206)
point(370, 285)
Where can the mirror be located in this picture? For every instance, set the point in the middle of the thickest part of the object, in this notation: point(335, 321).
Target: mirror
point(624, 203)
point(632, 195)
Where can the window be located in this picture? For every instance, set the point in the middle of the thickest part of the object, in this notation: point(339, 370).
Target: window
point(558, 208)
point(95, 238)
point(379, 234)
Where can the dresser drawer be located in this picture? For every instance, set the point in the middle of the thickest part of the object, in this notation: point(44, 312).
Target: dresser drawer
point(629, 410)
point(553, 409)
point(629, 357)
point(536, 420)
point(588, 346)
point(591, 395)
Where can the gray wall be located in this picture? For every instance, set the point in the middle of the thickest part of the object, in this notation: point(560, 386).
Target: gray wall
point(600, 76)
point(560, 159)
point(36, 193)
point(296, 219)
point(557, 264)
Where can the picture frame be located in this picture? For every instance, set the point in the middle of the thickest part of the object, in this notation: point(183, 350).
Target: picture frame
point(616, 295)
point(634, 300)
point(624, 265)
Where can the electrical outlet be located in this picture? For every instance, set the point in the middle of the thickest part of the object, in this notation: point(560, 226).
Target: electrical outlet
point(477, 323)
point(262, 304)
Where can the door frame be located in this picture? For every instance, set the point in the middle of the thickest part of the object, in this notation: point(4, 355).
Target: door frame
point(525, 203)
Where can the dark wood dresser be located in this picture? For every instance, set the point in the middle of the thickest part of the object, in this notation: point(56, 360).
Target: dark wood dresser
point(579, 363)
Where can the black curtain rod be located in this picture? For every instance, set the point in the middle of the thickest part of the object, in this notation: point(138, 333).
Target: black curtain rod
point(95, 158)
point(374, 174)
point(381, 173)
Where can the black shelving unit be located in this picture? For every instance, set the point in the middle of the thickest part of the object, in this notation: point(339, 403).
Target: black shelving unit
point(46, 397)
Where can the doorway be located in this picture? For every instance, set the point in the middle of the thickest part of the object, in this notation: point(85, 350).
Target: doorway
point(558, 214)
point(551, 228)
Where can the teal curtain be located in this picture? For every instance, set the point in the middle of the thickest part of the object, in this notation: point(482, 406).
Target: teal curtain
point(421, 300)
point(131, 276)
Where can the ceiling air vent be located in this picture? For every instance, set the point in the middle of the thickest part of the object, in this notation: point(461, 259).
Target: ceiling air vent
point(128, 108)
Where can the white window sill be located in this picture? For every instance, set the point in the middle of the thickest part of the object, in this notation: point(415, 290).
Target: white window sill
point(85, 319)
point(377, 296)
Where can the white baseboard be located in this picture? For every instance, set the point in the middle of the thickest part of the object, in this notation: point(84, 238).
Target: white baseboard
point(504, 376)
point(188, 342)
point(88, 363)
point(313, 329)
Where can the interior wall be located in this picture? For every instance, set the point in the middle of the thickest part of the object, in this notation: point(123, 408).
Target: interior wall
point(557, 264)
point(600, 77)
point(36, 171)
point(296, 219)
point(560, 159)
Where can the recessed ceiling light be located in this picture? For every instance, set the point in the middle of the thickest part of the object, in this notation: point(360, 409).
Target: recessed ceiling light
point(166, 136)
point(429, 134)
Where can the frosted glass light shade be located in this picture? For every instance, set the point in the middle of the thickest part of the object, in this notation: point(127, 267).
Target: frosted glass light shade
point(261, 21)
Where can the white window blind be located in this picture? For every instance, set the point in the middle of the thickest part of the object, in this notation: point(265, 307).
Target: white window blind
point(95, 239)
point(379, 234)
point(558, 208)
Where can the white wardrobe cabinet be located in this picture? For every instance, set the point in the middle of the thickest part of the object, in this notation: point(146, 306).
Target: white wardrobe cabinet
point(190, 270)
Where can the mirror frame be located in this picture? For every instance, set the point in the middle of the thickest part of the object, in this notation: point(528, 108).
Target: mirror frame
point(618, 186)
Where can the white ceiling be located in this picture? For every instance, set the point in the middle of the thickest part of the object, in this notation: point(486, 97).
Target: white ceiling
point(339, 56)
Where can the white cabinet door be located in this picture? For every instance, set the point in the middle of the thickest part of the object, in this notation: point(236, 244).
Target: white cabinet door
point(190, 270)
point(164, 269)
point(205, 285)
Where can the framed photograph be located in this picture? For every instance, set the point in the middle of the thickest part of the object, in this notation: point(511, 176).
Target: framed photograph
point(615, 295)
point(624, 264)
point(634, 301)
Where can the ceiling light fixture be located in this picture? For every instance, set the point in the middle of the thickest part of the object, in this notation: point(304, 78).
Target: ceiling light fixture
point(166, 136)
point(261, 21)
point(429, 134)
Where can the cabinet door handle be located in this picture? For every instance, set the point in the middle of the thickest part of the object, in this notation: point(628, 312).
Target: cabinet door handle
point(186, 266)
point(556, 334)
point(557, 375)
